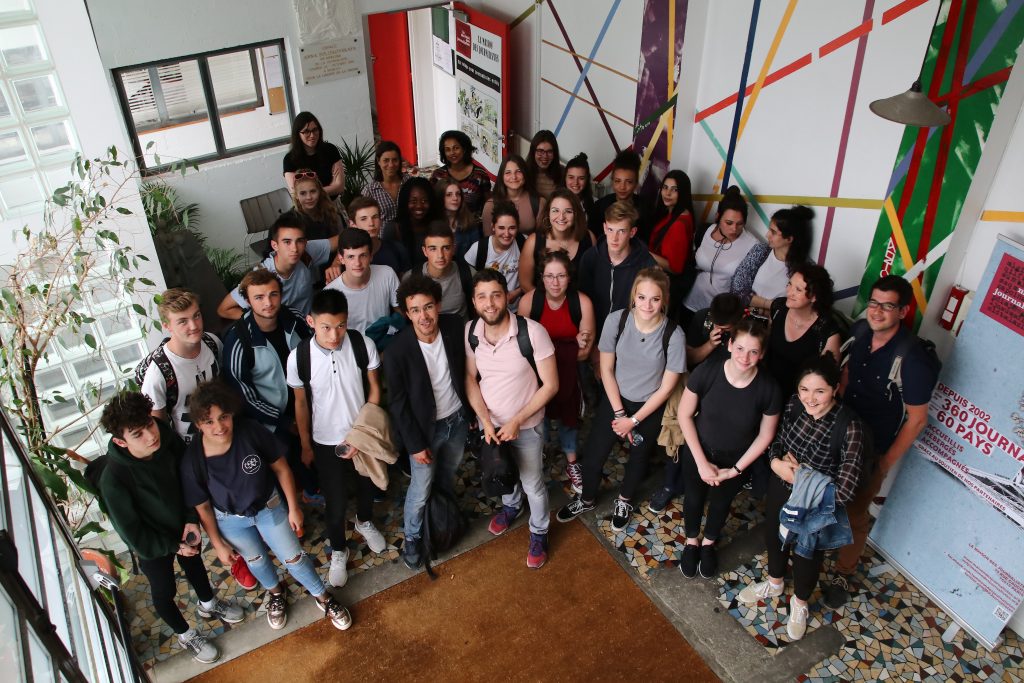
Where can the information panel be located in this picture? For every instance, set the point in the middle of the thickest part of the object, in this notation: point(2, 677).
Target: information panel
point(478, 69)
point(954, 519)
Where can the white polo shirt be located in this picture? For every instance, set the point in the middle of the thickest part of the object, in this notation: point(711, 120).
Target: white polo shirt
point(337, 386)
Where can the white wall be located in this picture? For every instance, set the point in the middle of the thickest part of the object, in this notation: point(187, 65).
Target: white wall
point(145, 31)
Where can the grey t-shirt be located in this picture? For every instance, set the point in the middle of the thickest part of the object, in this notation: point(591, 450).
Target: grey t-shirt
point(297, 288)
point(372, 302)
point(453, 299)
point(639, 360)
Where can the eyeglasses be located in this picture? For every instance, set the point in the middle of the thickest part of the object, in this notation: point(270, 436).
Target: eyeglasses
point(555, 277)
point(540, 151)
point(309, 131)
point(886, 306)
point(299, 175)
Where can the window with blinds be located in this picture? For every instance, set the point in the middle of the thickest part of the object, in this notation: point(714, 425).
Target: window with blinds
point(206, 106)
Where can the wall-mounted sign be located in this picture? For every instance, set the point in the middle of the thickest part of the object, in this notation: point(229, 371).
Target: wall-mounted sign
point(331, 61)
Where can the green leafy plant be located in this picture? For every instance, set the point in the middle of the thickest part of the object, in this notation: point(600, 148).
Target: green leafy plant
point(358, 161)
point(67, 272)
point(229, 264)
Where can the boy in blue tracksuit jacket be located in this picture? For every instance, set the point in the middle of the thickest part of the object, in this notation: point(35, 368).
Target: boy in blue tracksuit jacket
point(256, 349)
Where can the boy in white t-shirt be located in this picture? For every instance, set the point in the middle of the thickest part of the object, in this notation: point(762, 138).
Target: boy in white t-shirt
point(369, 289)
point(329, 393)
point(502, 250)
point(188, 357)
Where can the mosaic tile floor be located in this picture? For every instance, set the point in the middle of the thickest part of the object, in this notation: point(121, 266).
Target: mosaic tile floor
point(892, 631)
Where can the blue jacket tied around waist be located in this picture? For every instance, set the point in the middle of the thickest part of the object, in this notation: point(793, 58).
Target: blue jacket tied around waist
point(810, 518)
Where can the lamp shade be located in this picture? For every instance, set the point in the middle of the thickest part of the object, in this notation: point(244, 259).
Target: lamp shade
point(912, 108)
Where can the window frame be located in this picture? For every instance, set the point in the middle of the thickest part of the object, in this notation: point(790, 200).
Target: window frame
point(213, 111)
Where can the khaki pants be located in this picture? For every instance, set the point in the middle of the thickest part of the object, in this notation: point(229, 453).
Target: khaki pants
point(860, 523)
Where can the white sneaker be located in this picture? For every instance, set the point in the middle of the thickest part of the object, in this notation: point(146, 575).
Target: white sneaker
point(337, 576)
point(374, 538)
point(201, 649)
point(796, 626)
point(762, 590)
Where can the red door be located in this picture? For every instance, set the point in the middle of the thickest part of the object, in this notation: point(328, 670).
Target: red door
point(392, 78)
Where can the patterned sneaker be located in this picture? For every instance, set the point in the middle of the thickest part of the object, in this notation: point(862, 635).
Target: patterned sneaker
point(708, 561)
point(503, 520)
point(202, 650)
point(537, 555)
point(222, 609)
point(689, 560)
point(337, 576)
point(575, 474)
point(660, 500)
point(277, 610)
point(837, 592)
point(574, 509)
point(374, 538)
point(334, 611)
point(622, 512)
point(796, 625)
point(757, 592)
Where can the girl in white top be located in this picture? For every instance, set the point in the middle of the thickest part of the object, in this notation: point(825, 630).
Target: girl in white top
point(723, 246)
point(762, 276)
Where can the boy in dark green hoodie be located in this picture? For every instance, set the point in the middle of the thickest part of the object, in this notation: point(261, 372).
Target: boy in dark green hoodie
point(141, 490)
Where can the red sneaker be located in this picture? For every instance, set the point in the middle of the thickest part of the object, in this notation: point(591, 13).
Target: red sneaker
point(501, 521)
point(244, 577)
point(538, 552)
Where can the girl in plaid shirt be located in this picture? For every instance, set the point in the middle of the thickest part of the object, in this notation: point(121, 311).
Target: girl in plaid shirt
point(805, 440)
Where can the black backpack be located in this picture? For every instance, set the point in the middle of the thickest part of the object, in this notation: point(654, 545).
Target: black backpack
point(522, 338)
point(302, 363)
point(163, 364)
point(499, 473)
point(443, 526)
point(480, 262)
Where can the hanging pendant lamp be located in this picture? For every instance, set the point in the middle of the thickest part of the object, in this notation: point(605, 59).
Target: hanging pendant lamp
point(912, 108)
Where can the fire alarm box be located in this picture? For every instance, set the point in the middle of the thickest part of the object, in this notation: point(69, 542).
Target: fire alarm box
point(955, 306)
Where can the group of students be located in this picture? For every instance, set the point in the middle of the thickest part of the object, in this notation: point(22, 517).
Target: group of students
point(733, 338)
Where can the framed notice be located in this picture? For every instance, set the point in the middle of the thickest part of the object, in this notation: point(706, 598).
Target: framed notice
point(321, 62)
point(954, 519)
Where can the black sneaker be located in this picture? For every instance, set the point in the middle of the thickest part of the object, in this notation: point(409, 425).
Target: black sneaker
point(708, 561)
point(622, 512)
point(411, 553)
point(574, 509)
point(660, 500)
point(688, 562)
point(837, 592)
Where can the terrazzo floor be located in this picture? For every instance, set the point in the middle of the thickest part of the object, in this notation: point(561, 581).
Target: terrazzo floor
point(891, 631)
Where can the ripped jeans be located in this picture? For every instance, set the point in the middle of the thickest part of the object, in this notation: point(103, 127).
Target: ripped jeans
point(250, 536)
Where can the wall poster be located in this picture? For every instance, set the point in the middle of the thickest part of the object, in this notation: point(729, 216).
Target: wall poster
point(478, 81)
point(954, 519)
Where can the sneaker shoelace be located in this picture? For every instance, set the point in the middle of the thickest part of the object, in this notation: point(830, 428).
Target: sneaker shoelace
point(276, 602)
point(622, 508)
point(194, 642)
point(839, 581)
point(536, 546)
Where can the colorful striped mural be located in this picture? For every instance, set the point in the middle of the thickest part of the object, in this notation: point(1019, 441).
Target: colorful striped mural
point(970, 54)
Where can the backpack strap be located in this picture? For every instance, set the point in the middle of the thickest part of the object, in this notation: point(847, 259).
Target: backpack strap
point(211, 343)
point(572, 297)
point(466, 281)
point(666, 337)
point(621, 326)
point(481, 253)
point(302, 363)
point(537, 305)
point(163, 364)
point(859, 330)
point(362, 359)
point(838, 435)
point(526, 346)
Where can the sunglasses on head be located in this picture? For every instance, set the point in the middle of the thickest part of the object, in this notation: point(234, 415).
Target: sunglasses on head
point(305, 174)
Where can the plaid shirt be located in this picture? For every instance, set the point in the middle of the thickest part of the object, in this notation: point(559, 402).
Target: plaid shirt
point(809, 441)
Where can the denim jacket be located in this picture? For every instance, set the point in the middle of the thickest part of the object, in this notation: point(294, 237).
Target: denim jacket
point(810, 519)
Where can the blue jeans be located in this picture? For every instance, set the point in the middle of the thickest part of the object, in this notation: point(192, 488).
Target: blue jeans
point(567, 436)
point(447, 447)
point(250, 537)
point(528, 450)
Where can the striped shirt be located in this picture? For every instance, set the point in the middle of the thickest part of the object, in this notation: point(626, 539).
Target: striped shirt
point(809, 440)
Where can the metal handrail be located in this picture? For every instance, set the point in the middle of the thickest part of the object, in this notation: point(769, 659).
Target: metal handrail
point(113, 614)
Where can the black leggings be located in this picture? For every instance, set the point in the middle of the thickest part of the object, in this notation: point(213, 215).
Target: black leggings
point(805, 571)
point(697, 494)
point(163, 586)
point(335, 474)
point(602, 438)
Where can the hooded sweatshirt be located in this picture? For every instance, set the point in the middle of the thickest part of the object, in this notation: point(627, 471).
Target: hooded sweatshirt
point(609, 286)
point(144, 499)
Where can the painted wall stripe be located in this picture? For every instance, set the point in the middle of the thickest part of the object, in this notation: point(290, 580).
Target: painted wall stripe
point(751, 198)
point(848, 37)
point(772, 78)
point(586, 68)
point(723, 174)
point(898, 10)
point(988, 43)
point(904, 251)
point(844, 138)
point(837, 202)
point(526, 13)
point(577, 55)
point(586, 101)
point(1003, 216)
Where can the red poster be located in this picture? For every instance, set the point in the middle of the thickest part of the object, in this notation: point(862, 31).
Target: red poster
point(1004, 301)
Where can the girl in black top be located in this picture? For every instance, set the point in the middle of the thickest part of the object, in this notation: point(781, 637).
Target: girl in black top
point(417, 207)
point(728, 415)
point(577, 180)
point(310, 150)
point(562, 227)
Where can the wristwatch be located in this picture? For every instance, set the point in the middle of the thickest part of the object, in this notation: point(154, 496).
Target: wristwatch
point(636, 422)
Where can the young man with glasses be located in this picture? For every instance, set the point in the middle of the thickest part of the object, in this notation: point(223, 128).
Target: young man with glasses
point(895, 416)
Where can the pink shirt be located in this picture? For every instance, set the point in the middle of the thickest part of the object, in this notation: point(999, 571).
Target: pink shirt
point(507, 381)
